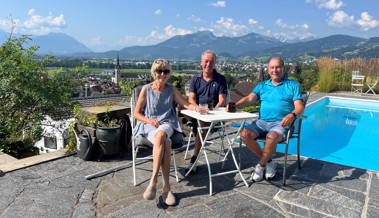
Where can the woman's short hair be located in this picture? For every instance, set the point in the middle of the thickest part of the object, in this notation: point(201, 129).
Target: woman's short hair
point(160, 64)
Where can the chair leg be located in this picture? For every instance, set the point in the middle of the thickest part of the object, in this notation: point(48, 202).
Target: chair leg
point(239, 154)
point(370, 89)
point(134, 164)
point(285, 165)
point(176, 170)
point(222, 136)
point(188, 144)
point(298, 154)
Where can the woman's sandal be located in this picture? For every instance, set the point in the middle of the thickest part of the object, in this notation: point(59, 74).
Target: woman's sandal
point(149, 193)
point(169, 198)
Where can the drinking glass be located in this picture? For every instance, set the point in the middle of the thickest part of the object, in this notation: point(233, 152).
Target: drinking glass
point(232, 107)
point(203, 109)
point(210, 104)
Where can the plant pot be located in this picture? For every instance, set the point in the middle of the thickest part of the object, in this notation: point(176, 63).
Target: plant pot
point(109, 139)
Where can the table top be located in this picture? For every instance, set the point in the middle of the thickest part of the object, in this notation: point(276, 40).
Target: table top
point(219, 114)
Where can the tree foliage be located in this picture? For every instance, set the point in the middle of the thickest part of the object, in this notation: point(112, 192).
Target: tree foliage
point(126, 86)
point(28, 93)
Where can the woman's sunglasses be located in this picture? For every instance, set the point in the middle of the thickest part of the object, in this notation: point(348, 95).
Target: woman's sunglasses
point(162, 71)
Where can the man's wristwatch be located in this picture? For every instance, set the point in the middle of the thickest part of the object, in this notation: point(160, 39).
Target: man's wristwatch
point(294, 115)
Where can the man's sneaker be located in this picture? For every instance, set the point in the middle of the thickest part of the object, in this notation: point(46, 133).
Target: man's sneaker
point(193, 171)
point(270, 169)
point(257, 175)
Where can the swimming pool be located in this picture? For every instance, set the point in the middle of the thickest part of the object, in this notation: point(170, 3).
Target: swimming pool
point(341, 130)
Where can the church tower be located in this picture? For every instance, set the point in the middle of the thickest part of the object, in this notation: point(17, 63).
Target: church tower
point(117, 71)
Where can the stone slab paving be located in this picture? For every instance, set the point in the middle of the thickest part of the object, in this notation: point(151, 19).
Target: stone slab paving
point(59, 188)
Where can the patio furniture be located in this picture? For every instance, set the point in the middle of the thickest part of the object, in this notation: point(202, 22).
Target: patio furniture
point(220, 130)
point(371, 84)
point(213, 117)
point(357, 82)
point(293, 133)
point(140, 142)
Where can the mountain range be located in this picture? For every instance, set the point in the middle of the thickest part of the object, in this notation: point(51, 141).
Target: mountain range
point(191, 46)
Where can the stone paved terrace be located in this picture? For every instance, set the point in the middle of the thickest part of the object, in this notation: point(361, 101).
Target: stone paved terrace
point(59, 188)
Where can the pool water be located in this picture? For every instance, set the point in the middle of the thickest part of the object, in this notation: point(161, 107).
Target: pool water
point(341, 130)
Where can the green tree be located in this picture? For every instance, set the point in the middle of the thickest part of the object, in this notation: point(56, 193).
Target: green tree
point(126, 87)
point(28, 93)
point(230, 80)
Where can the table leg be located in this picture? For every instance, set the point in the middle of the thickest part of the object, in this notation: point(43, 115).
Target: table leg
point(203, 141)
point(236, 135)
point(231, 151)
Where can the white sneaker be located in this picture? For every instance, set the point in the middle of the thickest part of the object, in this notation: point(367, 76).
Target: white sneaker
point(270, 169)
point(257, 175)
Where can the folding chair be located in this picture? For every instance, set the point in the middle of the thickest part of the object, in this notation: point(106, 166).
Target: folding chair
point(293, 133)
point(221, 128)
point(357, 82)
point(139, 141)
point(371, 84)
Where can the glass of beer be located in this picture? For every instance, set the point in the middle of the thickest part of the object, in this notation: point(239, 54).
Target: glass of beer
point(232, 107)
point(210, 104)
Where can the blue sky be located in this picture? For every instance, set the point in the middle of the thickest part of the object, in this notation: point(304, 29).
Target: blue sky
point(115, 24)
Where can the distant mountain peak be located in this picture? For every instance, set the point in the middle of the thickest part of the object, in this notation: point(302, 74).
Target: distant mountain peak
point(191, 46)
point(58, 44)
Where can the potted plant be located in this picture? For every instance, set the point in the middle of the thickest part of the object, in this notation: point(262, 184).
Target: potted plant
point(106, 129)
point(108, 133)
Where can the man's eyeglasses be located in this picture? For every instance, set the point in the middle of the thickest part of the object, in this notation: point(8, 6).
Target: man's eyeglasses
point(162, 71)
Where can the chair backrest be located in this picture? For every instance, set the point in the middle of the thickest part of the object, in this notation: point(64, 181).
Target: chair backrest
point(357, 79)
point(227, 99)
point(372, 81)
point(177, 139)
point(133, 101)
point(355, 73)
point(297, 124)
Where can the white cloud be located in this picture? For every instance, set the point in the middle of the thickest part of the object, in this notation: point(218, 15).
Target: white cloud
point(327, 4)
point(154, 37)
point(227, 27)
point(36, 24)
point(341, 19)
point(158, 12)
point(171, 31)
point(219, 4)
point(251, 21)
point(367, 22)
point(283, 25)
point(193, 18)
point(290, 32)
point(292, 35)
point(6, 24)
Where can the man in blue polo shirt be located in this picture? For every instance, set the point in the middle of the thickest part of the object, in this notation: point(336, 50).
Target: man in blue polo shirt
point(204, 86)
point(281, 103)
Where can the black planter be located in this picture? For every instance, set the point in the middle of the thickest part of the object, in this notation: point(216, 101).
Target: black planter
point(109, 139)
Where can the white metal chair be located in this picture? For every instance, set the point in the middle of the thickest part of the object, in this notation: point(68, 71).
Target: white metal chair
point(357, 82)
point(371, 84)
point(139, 142)
point(293, 133)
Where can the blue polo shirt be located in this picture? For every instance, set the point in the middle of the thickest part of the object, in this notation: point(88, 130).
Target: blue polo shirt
point(208, 90)
point(277, 101)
